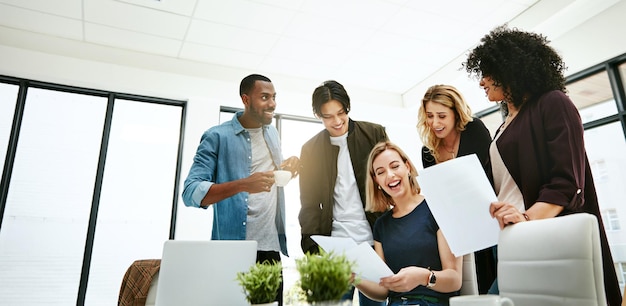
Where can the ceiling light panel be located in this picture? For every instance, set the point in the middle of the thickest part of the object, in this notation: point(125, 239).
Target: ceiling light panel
point(65, 8)
point(371, 14)
point(255, 16)
point(326, 31)
point(135, 18)
point(221, 56)
point(35, 21)
point(293, 48)
point(181, 7)
point(230, 37)
point(131, 40)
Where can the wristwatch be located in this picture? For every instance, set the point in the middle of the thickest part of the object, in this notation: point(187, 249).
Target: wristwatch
point(431, 280)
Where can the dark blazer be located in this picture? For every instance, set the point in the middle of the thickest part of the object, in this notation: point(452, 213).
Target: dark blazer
point(318, 173)
point(475, 139)
point(544, 151)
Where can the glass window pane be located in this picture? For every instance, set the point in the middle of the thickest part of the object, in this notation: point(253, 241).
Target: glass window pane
point(493, 122)
point(225, 116)
point(294, 134)
point(606, 150)
point(49, 201)
point(593, 97)
point(8, 96)
point(137, 194)
point(622, 71)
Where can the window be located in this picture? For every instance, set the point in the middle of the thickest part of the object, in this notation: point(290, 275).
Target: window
point(49, 199)
point(620, 267)
point(137, 191)
point(8, 97)
point(294, 133)
point(62, 213)
point(593, 96)
point(610, 219)
point(493, 122)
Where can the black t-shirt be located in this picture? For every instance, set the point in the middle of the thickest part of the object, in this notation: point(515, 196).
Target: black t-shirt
point(411, 240)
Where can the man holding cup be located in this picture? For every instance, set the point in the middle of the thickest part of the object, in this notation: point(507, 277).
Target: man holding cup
point(233, 171)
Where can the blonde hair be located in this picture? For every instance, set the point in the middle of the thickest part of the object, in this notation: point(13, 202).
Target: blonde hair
point(449, 97)
point(377, 200)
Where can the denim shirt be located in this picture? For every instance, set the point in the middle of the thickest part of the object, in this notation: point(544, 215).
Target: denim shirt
point(225, 155)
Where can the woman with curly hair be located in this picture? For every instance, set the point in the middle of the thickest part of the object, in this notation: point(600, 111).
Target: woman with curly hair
point(448, 130)
point(538, 158)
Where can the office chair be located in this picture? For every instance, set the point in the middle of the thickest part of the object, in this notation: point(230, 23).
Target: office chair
point(555, 261)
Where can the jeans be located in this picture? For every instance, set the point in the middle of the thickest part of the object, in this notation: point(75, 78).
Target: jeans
point(363, 300)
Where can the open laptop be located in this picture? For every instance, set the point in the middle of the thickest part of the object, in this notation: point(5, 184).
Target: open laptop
point(202, 273)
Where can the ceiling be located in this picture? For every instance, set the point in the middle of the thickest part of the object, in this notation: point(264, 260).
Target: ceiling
point(384, 45)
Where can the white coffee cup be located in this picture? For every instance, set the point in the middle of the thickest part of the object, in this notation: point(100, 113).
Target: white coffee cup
point(282, 177)
point(480, 300)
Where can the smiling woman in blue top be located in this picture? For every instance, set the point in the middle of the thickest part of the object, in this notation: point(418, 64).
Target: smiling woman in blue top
point(233, 171)
point(407, 236)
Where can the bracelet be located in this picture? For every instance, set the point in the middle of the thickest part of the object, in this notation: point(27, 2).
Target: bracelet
point(526, 216)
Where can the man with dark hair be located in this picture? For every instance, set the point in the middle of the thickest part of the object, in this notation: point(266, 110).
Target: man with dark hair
point(233, 171)
point(333, 173)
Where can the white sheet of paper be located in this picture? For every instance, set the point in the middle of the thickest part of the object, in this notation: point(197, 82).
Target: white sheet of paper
point(337, 245)
point(458, 194)
point(368, 264)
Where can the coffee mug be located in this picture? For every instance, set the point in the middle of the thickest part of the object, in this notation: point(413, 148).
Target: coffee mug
point(282, 177)
point(480, 300)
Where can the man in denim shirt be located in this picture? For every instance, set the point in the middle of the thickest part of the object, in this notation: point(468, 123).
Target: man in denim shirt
point(233, 171)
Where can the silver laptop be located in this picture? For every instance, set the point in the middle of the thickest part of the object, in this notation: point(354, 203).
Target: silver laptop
point(203, 273)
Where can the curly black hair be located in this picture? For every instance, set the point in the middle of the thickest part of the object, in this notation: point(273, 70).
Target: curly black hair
point(520, 62)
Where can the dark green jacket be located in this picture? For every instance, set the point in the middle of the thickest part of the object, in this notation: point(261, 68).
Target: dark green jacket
point(318, 174)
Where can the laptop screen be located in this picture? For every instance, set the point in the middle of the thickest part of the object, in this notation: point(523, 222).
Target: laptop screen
point(201, 273)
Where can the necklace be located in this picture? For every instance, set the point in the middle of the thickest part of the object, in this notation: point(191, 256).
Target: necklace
point(508, 120)
point(452, 151)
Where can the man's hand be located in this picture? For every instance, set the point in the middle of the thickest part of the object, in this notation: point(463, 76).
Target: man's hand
point(292, 164)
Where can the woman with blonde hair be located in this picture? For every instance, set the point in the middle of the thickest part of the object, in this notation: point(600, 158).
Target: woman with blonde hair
point(448, 130)
point(406, 236)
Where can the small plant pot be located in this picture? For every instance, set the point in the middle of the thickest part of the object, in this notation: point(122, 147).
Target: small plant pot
point(332, 303)
point(266, 304)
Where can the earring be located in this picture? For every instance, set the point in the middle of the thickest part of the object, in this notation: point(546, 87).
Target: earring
point(379, 187)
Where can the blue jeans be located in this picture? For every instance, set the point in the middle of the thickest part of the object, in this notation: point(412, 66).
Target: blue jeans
point(363, 300)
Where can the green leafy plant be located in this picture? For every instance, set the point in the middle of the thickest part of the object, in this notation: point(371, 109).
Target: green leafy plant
point(324, 277)
point(261, 283)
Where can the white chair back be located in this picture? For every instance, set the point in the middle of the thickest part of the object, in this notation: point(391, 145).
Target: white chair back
point(555, 261)
point(470, 282)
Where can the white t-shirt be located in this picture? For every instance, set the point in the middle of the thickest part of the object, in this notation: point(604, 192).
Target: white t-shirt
point(505, 187)
point(260, 224)
point(348, 214)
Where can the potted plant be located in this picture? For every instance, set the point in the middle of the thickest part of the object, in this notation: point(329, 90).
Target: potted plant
point(261, 283)
point(324, 277)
